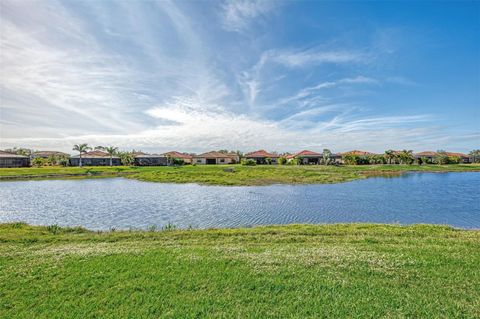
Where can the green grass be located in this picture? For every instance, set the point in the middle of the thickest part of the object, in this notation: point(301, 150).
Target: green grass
point(242, 175)
point(295, 271)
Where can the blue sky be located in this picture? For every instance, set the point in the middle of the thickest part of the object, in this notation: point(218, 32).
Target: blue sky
point(202, 75)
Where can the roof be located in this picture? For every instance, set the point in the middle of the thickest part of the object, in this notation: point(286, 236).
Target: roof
point(426, 153)
point(49, 153)
point(177, 155)
point(214, 154)
point(7, 154)
point(456, 154)
point(357, 152)
point(304, 153)
point(430, 153)
point(95, 154)
point(260, 153)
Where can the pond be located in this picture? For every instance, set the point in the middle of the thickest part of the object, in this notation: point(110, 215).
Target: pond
point(438, 198)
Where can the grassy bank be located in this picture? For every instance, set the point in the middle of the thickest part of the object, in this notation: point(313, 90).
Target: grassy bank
point(241, 175)
point(298, 271)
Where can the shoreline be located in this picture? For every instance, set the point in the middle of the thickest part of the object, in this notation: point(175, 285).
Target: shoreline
point(240, 176)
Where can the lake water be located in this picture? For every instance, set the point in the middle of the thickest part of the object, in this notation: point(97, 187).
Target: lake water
point(439, 198)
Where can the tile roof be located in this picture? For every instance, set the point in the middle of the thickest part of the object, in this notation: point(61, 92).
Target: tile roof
point(304, 153)
point(260, 154)
point(214, 154)
point(430, 153)
point(177, 155)
point(456, 154)
point(7, 154)
point(426, 153)
point(356, 152)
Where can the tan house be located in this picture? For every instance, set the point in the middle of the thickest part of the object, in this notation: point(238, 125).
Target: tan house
point(187, 158)
point(261, 156)
point(464, 158)
point(213, 158)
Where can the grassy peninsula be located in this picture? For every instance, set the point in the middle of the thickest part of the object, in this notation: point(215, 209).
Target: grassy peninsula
point(234, 174)
point(294, 271)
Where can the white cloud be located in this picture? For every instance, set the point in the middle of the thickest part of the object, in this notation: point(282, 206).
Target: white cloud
point(237, 14)
point(314, 56)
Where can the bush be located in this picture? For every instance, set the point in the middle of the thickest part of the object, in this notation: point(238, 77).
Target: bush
point(249, 162)
point(294, 161)
point(38, 161)
point(282, 160)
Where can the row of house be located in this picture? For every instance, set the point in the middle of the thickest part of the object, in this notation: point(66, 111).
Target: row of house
point(100, 158)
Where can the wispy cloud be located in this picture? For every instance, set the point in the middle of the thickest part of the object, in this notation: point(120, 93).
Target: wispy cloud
point(313, 56)
point(237, 14)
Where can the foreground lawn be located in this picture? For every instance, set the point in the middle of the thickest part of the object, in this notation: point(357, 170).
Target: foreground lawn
point(234, 174)
point(295, 271)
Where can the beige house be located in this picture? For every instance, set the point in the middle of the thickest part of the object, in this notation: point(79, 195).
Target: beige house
point(213, 158)
point(187, 158)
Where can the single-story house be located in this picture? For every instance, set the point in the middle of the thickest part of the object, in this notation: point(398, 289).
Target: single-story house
point(261, 156)
point(235, 157)
point(429, 155)
point(95, 158)
point(47, 154)
point(143, 159)
point(212, 158)
point(187, 158)
point(13, 160)
point(307, 157)
point(464, 158)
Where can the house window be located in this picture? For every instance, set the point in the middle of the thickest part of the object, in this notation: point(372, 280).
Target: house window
point(222, 160)
point(199, 160)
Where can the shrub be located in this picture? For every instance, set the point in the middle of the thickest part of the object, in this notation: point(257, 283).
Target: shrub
point(281, 160)
point(38, 161)
point(249, 162)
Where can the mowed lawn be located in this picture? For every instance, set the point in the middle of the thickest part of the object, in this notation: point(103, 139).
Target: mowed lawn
point(294, 271)
point(234, 174)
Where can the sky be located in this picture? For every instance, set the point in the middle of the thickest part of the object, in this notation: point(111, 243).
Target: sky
point(244, 75)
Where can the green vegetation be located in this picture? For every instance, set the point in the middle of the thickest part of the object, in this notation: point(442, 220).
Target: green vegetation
point(295, 271)
point(235, 174)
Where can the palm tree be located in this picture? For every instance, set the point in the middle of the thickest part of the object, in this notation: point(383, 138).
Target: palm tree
point(475, 154)
point(99, 148)
point(81, 148)
point(406, 156)
point(111, 151)
point(389, 155)
point(326, 156)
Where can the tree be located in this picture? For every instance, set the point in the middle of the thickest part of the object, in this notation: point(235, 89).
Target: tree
point(81, 148)
point(389, 156)
point(406, 157)
point(351, 159)
point(126, 158)
point(111, 151)
point(327, 156)
point(38, 161)
point(441, 157)
point(99, 148)
point(475, 154)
